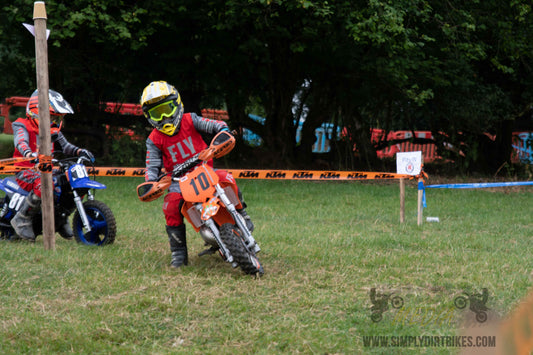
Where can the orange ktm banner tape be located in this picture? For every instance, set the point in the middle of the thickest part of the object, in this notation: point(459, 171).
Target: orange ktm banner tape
point(269, 174)
point(110, 171)
point(7, 165)
point(312, 175)
point(45, 164)
point(11, 169)
point(11, 161)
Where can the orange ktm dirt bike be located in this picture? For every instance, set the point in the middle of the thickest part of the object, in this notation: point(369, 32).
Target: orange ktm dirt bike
point(210, 206)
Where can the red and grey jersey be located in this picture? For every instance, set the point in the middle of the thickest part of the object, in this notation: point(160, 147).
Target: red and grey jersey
point(164, 151)
point(26, 140)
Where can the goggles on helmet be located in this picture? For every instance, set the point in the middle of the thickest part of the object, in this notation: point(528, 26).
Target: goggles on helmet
point(164, 110)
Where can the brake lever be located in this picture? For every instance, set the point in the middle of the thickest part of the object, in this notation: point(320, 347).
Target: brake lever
point(82, 158)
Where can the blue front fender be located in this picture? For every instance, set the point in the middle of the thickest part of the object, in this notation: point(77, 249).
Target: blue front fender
point(87, 183)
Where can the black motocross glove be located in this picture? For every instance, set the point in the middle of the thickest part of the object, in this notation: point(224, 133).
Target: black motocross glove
point(30, 154)
point(87, 154)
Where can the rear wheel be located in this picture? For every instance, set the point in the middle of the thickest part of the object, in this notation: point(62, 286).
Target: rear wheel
point(102, 222)
point(234, 241)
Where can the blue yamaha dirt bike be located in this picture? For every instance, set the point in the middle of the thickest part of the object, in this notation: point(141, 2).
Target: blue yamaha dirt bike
point(93, 222)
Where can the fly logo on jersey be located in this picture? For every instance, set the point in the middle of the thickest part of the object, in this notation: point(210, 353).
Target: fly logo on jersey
point(184, 149)
point(229, 177)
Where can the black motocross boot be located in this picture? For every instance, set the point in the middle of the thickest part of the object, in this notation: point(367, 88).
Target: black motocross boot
point(178, 246)
point(242, 212)
point(63, 227)
point(65, 230)
point(23, 220)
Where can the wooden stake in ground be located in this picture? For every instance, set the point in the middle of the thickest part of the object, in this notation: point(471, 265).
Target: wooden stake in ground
point(41, 61)
point(402, 200)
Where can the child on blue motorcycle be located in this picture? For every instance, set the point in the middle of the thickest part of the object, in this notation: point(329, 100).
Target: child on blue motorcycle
point(26, 134)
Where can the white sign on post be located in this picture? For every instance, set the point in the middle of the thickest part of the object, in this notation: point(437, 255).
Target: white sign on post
point(31, 28)
point(409, 163)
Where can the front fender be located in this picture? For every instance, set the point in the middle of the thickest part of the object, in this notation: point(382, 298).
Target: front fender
point(10, 186)
point(87, 183)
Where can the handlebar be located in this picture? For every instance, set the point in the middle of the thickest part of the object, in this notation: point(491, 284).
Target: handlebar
point(187, 165)
point(71, 160)
point(65, 163)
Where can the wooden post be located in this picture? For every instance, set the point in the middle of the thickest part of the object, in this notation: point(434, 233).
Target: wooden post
point(402, 200)
point(420, 205)
point(45, 142)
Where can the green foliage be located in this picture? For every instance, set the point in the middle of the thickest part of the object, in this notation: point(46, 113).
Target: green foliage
point(126, 152)
point(448, 67)
point(323, 249)
point(6, 146)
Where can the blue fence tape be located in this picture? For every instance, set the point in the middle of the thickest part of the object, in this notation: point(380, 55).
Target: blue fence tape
point(480, 185)
point(468, 186)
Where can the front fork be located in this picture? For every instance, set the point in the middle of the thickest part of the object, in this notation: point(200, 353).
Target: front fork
point(216, 234)
point(249, 241)
point(81, 210)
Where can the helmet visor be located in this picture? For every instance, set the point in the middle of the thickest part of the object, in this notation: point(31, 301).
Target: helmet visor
point(163, 110)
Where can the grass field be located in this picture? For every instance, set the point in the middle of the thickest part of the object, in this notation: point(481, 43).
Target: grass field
point(6, 145)
point(325, 245)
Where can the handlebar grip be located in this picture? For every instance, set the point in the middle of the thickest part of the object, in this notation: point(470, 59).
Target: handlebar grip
point(182, 168)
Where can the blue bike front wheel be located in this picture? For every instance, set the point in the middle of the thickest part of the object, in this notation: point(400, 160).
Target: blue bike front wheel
point(103, 226)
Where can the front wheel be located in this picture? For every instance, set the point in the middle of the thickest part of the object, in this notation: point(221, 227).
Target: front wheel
point(397, 302)
point(102, 222)
point(460, 302)
point(481, 317)
point(234, 241)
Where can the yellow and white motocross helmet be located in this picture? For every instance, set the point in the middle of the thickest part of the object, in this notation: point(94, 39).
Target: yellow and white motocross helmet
point(162, 106)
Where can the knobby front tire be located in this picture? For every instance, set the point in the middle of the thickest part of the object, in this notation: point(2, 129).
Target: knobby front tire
point(102, 222)
point(232, 238)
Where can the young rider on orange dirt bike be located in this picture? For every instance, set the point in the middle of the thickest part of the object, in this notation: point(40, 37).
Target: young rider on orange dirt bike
point(175, 138)
point(26, 134)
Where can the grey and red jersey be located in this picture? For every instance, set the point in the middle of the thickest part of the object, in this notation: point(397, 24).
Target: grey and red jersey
point(164, 151)
point(25, 138)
